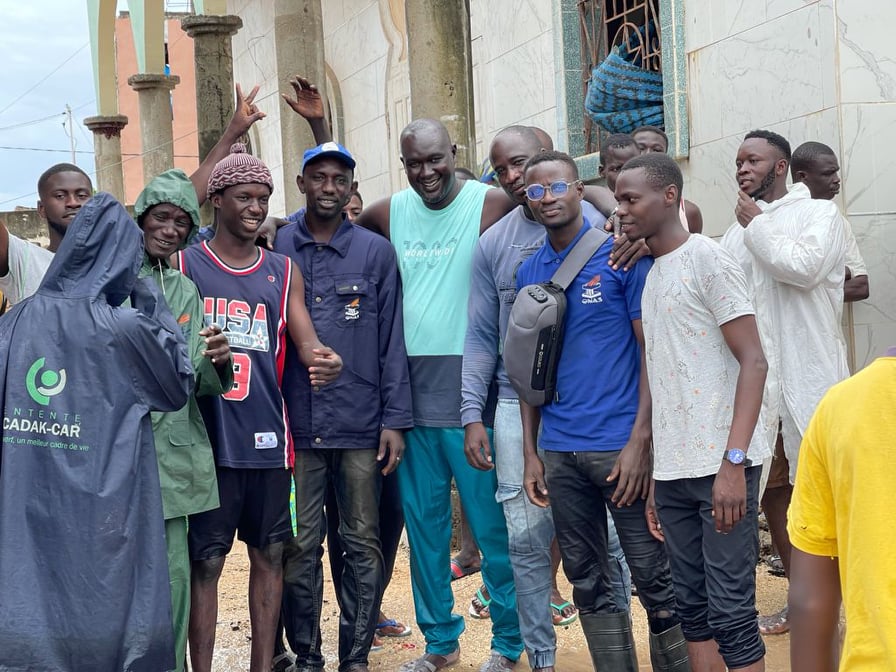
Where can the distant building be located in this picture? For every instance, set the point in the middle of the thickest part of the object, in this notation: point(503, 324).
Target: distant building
point(179, 50)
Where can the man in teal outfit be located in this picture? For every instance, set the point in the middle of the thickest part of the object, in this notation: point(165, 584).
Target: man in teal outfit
point(168, 212)
point(434, 227)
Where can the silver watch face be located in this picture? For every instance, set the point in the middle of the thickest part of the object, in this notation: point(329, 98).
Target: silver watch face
point(736, 456)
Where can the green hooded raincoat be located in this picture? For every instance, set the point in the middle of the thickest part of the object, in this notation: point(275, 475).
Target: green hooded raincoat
point(186, 462)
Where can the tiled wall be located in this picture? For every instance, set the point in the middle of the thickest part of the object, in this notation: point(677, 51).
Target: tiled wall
point(819, 70)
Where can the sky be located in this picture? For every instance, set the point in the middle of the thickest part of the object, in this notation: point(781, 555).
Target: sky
point(47, 65)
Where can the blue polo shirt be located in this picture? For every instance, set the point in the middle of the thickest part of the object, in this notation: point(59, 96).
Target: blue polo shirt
point(597, 378)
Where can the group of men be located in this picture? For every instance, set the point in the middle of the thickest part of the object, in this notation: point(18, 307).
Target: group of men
point(681, 358)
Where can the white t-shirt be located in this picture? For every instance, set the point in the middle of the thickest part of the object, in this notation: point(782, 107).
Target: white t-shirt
point(28, 263)
point(689, 294)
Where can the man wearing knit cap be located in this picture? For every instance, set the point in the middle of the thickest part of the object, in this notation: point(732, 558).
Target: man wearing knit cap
point(255, 296)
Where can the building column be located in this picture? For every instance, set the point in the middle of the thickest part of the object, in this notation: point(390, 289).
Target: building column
point(441, 67)
point(213, 59)
point(107, 150)
point(154, 94)
point(299, 44)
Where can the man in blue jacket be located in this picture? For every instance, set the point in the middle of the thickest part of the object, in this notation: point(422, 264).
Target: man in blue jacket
point(345, 431)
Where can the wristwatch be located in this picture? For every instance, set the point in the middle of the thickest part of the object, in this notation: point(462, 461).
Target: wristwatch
point(737, 456)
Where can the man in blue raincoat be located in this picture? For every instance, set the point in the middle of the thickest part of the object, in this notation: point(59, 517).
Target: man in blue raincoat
point(83, 569)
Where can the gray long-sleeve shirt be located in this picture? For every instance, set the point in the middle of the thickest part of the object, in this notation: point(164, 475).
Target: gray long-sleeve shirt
point(499, 253)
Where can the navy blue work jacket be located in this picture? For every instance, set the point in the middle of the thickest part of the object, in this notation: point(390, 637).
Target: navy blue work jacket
point(353, 294)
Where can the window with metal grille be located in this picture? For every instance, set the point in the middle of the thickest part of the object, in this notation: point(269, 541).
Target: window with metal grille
point(606, 24)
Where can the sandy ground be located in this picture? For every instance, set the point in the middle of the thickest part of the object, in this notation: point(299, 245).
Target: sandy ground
point(232, 649)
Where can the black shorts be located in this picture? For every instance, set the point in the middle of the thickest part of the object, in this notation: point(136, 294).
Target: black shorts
point(254, 503)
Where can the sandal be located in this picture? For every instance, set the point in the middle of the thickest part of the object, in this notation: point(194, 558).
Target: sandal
point(392, 628)
point(376, 644)
point(775, 566)
point(775, 624)
point(479, 605)
point(558, 617)
point(431, 662)
point(459, 571)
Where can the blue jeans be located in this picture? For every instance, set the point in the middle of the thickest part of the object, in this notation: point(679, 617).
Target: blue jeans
point(530, 531)
point(580, 496)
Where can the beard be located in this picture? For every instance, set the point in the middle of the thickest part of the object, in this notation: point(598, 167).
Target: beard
point(58, 228)
point(764, 186)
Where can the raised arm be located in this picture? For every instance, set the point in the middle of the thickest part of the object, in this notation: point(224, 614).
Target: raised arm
point(245, 114)
point(310, 106)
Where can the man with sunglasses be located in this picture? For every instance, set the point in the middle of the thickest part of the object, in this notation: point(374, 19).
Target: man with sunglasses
point(598, 426)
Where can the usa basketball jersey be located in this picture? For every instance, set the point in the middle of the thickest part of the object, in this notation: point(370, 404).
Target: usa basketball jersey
point(247, 426)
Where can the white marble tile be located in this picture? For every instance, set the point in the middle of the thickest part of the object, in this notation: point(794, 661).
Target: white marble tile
point(867, 59)
point(735, 16)
point(776, 8)
point(368, 148)
point(877, 314)
point(358, 42)
point(698, 25)
point(867, 161)
point(520, 84)
point(509, 24)
point(375, 188)
point(363, 95)
point(757, 77)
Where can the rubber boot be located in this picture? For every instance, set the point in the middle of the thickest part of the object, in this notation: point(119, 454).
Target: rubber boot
point(669, 651)
point(610, 641)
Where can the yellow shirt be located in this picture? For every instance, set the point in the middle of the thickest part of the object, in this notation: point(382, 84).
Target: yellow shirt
point(843, 506)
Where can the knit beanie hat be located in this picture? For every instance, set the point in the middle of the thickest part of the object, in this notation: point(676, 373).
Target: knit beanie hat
point(238, 167)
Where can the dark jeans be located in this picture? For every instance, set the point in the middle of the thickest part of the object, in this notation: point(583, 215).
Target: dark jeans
point(356, 480)
point(391, 526)
point(580, 497)
point(715, 574)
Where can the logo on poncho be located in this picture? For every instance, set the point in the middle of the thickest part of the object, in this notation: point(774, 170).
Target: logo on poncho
point(51, 382)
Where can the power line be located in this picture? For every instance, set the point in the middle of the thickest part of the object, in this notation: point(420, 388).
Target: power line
point(32, 122)
point(46, 77)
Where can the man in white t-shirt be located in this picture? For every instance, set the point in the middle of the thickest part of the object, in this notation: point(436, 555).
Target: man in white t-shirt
point(706, 371)
point(62, 190)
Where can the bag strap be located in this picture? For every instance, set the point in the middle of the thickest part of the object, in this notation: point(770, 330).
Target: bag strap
point(579, 255)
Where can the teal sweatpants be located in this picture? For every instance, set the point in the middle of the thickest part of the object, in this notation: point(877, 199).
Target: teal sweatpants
point(432, 457)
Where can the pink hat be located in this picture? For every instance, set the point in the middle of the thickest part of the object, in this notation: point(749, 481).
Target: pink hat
point(238, 167)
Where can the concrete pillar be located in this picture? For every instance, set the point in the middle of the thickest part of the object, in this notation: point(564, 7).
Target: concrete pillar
point(107, 151)
point(154, 100)
point(213, 59)
point(299, 42)
point(441, 68)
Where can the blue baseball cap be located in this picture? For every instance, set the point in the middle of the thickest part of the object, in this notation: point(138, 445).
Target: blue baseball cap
point(333, 149)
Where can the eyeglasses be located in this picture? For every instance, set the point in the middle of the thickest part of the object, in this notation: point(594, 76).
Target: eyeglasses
point(536, 192)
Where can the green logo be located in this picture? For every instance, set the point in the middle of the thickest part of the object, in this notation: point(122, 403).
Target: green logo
point(51, 383)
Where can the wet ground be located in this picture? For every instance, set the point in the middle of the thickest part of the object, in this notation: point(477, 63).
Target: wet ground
point(232, 650)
